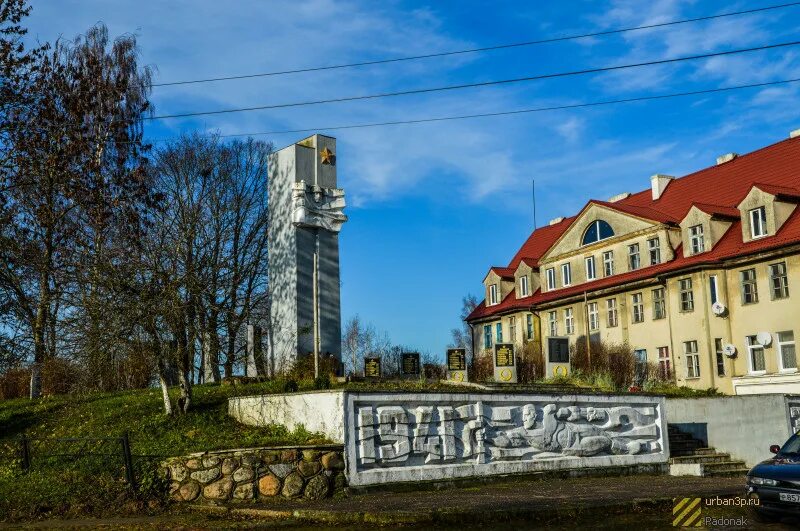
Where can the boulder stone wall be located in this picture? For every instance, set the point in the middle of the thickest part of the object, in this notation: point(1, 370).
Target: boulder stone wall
point(313, 472)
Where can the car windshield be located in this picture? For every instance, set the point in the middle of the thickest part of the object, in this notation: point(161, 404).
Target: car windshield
point(792, 446)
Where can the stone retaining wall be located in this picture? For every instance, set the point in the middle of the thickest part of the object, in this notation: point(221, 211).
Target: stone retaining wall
point(251, 473)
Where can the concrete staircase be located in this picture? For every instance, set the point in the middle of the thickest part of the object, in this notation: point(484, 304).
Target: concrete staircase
point(689, 457)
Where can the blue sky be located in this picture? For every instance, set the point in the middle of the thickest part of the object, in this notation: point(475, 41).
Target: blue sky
point(433, 206)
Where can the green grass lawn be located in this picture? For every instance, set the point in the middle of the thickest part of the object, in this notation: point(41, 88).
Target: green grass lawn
point(94, 485)
point(207, 426)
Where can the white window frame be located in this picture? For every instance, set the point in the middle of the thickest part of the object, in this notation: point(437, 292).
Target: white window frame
point(569, 321)
point(611, 310)
point(782, 278)
point(552, 320)
point(690, 351)
point(551, 278)
point(594, 318)
point(566, 275)
point(779, 349)
point(512, 329)
point(523, 286)
point(608, 263)
point(752, 282)
point(713, 288)
point(758, 221)
point(659, 303)
point(493, 294)
point(752, 345)
point(591, 270)
point(719, 356)
point(686, 288)
point(697, 239)
point(654, 250)
point(664, 363)
point(633, 250)
point(498, 331)
point(637, 308)
point(529, 326)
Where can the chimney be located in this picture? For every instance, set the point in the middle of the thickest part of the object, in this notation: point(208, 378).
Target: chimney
point(658, 183)
point(794, 134)
point(556, 221)
point(727, 157)
point(619, 197)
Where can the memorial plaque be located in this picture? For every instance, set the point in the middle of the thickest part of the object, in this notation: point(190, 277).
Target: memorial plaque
point(457, 364)
point(409, 364)
point(372, 368)
point(505, 366)
point(558, 363)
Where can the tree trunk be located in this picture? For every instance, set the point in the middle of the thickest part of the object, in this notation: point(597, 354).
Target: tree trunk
point(39, 329)
point(162, 381)
point(231, 352)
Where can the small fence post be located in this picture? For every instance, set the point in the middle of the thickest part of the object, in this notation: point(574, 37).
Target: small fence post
point(126, 456)
point(25, 452)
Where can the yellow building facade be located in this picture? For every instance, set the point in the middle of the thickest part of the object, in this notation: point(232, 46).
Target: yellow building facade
point(699, 275)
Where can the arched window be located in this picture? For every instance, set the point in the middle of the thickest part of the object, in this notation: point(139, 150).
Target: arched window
point(598, 230)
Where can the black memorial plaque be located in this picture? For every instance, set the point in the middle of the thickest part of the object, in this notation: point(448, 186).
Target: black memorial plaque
point(456, 359)
point(504, 355)
point(409, 363)
point(372, 367)
point(558, 349)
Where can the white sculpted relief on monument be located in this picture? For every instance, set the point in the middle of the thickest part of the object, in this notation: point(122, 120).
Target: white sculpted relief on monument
point(313, 206)
point(395, 435)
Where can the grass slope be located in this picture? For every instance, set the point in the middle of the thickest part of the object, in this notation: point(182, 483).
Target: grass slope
point(93, 485)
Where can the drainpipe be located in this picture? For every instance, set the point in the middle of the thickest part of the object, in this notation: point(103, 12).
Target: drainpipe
point(667, 300)
point(710, 348)
point(472, 345)
point(588, 331)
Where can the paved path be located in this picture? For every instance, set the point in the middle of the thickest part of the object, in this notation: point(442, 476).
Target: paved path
point(608, 503)
point(522, 493)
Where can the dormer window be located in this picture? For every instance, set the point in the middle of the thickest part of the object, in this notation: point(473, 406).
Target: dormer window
point(598, 230)
point(523, 286)
point(551, 279)
point(696, 239)
point(493, 294)
point(758, 222)
point(654, 246)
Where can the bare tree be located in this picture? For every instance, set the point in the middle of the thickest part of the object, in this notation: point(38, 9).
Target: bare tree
point(462, 336)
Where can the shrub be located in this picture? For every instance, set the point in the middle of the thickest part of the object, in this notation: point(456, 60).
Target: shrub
point(530, 363)
point(434, 371)
point(15, 383)
point(615, 360)
point(482, 368)
point(303, 368)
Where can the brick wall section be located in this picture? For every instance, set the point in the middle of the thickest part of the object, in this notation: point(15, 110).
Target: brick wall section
point(313, 472)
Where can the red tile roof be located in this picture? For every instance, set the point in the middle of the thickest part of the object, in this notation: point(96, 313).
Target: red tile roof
point(636, 210)
point(718, 189)
point(779, 191)
point(718, 210)
point(503, 272)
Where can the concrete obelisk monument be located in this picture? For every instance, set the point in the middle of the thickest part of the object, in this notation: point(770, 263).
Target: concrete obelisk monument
point(305, 217)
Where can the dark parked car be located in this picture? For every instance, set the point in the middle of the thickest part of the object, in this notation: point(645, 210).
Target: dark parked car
point(776, 481)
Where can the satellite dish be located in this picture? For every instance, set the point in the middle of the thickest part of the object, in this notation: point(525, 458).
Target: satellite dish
point(718, 308)
point(729, 350)
point(764, 338)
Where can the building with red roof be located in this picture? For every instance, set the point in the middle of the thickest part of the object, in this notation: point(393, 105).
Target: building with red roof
point(699, 275)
